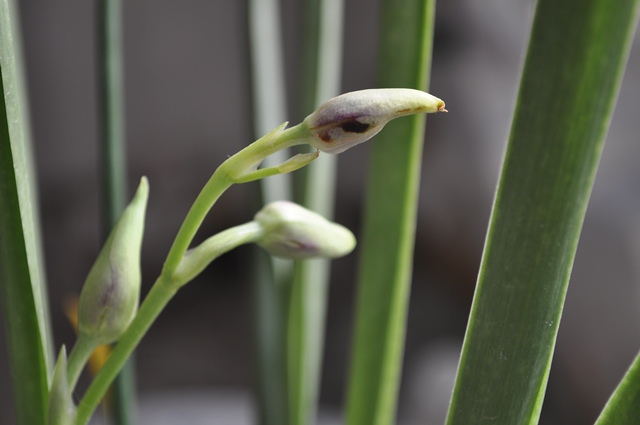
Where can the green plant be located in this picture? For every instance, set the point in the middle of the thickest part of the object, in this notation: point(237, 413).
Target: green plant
point(571, 79)
point(576, 56)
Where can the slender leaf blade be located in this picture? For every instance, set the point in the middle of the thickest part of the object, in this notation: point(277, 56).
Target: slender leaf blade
point(390, 217)
point(308, 298)
point(623, 408)
point(25, 315)
point(273, 275)
point(571, 78)
point(113, 168)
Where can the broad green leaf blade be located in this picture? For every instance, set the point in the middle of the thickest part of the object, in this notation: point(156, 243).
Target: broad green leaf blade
point(21, 289)
point(576, 57)
point(623, 408)
point(390, 217)
point(308, 301)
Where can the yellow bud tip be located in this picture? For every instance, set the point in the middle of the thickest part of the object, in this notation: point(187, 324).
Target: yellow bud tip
point(441, 107)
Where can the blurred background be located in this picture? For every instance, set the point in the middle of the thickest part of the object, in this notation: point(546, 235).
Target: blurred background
point(188, 107)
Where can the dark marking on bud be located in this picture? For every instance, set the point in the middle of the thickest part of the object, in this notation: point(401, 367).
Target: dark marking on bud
point(325, 137)
point(402, 111)
point(354, 126)
point(107, 296)
point(302, 246)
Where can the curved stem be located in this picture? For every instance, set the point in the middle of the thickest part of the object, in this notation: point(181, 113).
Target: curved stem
point(78, 358)
point(233, 170)
point(210, 193)
point(197, 259)
point(162, 291)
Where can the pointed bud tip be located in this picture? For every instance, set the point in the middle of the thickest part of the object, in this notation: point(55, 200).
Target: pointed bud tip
point(142, 193)
point(60, 409)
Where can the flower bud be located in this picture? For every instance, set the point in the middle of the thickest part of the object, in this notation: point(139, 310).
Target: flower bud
point(291, 231)
point(353, 118)
point(110, 295)
point(60, 410)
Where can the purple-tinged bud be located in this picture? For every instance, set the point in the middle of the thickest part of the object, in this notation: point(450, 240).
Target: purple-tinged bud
point(110, 295)
point(353, 118)
point(291, 231)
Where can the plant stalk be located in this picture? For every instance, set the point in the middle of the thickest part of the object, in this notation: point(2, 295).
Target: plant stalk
point(113, 164)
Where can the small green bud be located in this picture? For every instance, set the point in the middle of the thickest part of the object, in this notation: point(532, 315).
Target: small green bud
point(353, 118)
point(110, 295)
point(291, 231)
point(60, 410)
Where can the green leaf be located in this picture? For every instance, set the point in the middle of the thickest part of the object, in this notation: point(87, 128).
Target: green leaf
point(273, 275)
point(113, 167)
point(321, 73)
point(268, 87)
point(390, 217)
point(623, 408)
point(305, 339)
point(21, 287)
point(576, 57)
point(270, 302)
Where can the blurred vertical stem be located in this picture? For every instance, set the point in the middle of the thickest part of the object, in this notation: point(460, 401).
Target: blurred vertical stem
point(576, 57)
point(113, 165)
point(272, 275)
point(22, 286)
point(268, 82)
point(390, 219)
point(321, 74)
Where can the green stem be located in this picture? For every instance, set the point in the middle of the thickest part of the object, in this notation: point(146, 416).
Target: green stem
point(233, 170)
point(236, 169)
point(78, 358)
point(197, 259)
point(112, 112)
point(214, 188)
point(113, 161)
point(162, 291)
point(160, 294)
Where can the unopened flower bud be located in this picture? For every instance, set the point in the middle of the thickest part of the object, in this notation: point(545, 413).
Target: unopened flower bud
point(110, 295)
point(60, 410)
point(291, 231)
point(353, 118)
